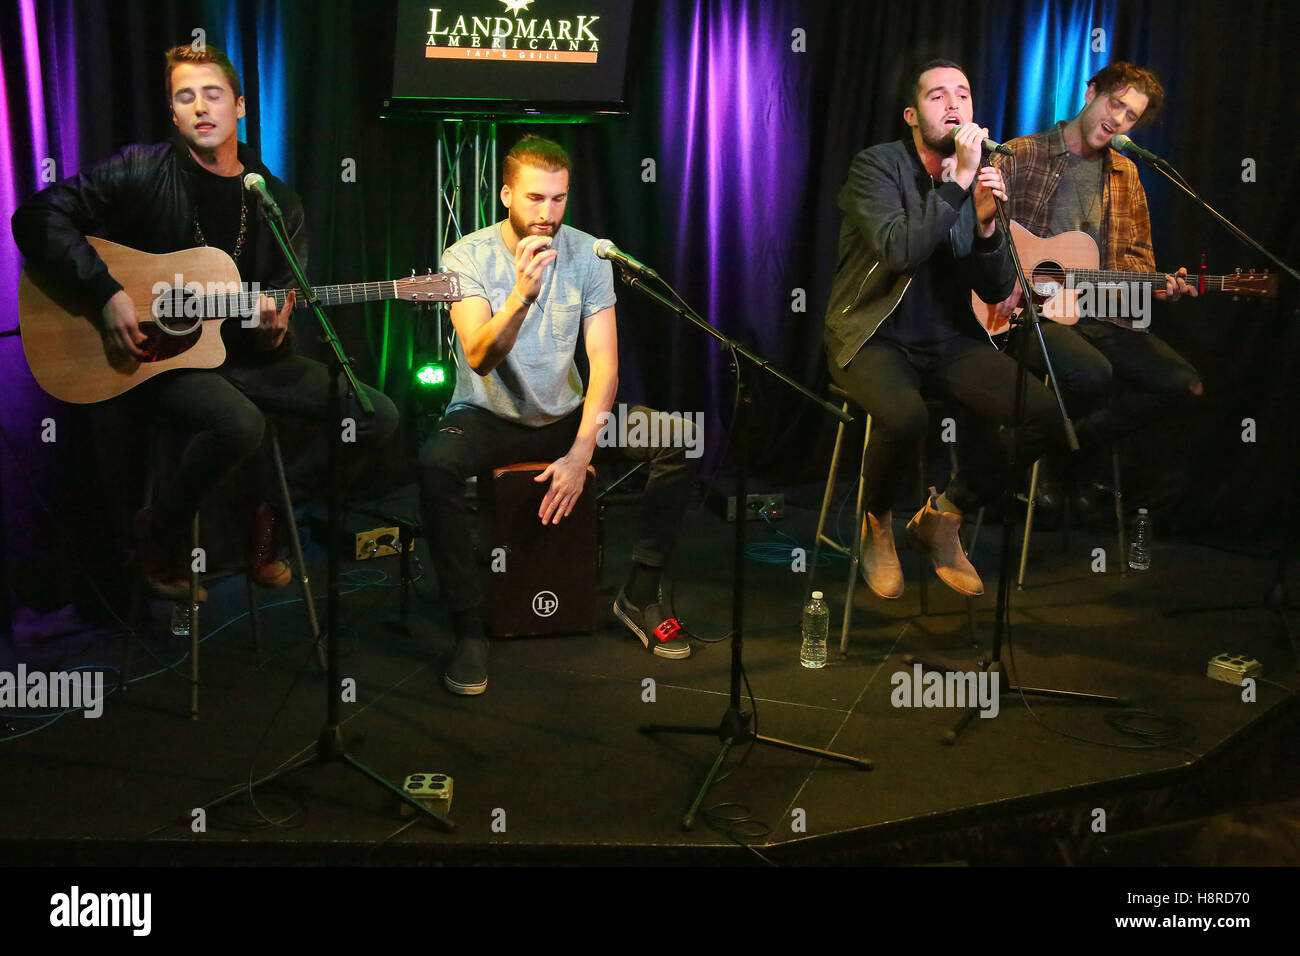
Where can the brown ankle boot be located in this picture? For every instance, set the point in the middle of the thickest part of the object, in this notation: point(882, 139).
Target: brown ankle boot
point(260, 562)
point(938, 534)
point(164, 565)
point(879, 562)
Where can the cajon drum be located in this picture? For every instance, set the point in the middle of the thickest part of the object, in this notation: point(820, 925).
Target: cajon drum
point(541, 579)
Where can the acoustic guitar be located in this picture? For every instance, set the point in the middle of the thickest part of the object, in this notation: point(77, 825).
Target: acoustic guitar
point(182, 299)
point(1056, 268)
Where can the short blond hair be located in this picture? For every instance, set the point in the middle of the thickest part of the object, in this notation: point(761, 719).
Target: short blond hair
point(178, 55)
point(538, 152)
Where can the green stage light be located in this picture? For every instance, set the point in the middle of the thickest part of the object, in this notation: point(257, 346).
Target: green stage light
point(431, 375)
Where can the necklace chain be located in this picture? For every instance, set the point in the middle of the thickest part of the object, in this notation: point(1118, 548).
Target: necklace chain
point(199, 238)
point(1086, 223)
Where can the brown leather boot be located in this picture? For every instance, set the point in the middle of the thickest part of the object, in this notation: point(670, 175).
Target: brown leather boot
point(164, 565)
point(879, 561)
point(938, 534)
point(260, 562)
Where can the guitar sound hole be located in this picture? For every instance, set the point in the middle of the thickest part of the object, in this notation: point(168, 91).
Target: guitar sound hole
point(177, 310)
point(160, 345)
point(1048, 278)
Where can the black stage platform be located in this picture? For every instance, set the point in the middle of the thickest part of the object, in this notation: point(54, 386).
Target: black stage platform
point(551, 754)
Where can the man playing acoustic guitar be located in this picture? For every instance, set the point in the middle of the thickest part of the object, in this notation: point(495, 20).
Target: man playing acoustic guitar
point(168, 197)
point(1116, 375)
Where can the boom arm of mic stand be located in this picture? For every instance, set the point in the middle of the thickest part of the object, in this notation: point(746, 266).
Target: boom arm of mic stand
point(686, 313)
point(1032, 310)
point(1175, 177)
point(344, 363)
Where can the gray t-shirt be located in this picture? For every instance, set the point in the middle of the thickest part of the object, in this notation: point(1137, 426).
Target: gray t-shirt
point(538, 382)
point(1077, 205)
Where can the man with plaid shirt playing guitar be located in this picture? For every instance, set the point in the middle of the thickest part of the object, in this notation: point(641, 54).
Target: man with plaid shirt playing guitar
point(1117, 376)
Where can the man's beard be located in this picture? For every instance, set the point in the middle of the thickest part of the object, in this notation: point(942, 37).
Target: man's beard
point(945, 145)
point(521, 228)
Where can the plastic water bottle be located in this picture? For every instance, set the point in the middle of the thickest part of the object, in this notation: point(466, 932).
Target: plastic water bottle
point(181, 618)
point(1139, 548)
point(816, 622)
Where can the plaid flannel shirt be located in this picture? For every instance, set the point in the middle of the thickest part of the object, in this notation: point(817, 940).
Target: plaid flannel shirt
point(1032, 180)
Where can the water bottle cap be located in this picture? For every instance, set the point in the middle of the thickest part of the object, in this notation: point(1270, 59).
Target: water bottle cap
point(1142, 511)
point(817, 595)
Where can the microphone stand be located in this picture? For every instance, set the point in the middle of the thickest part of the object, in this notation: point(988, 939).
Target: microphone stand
point(330, 746)
point(1175, 177)
point(1003, 606)
point(1276, 598)
point(734, 727)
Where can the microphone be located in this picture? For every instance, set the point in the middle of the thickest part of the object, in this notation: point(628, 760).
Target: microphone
point(1121, 142)
point(989, 145)
point(605, 249)
point(254, 183)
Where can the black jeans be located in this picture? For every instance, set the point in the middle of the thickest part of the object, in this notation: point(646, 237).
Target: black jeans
point(1114, 380)
point(472, 441)
point(222, 411)
point(886, 379)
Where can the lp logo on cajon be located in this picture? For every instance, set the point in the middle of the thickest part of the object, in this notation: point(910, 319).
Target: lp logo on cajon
point(545, 603)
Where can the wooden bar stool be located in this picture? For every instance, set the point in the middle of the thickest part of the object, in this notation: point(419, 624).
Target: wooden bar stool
point(141, 594)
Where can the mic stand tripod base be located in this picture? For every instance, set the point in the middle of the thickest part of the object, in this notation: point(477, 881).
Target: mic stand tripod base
point(733, 730)
point(995, 667)
point(329, 748)
point(734, 727)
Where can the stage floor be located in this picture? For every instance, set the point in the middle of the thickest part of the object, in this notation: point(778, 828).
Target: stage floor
point(549, 765)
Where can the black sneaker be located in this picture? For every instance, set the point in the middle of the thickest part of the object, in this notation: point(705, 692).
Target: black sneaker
point(658, 630)
point(467, 672)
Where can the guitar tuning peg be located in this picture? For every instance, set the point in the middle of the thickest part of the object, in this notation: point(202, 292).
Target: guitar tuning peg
point(1238, 270)
point(412, 273)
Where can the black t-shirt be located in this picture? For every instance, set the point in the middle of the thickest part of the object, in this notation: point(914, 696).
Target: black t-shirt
point(936, 307)
point(220, 206)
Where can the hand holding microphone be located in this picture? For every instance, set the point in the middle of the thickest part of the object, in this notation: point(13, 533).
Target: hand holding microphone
point(988, 144)
point(987, 186)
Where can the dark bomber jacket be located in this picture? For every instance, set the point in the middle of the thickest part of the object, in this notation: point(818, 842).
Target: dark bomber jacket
point(894, 218)
point(137, 197)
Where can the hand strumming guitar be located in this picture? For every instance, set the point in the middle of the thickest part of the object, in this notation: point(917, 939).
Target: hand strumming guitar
point(121, 330)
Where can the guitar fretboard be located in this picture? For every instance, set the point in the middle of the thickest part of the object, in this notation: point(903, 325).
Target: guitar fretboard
point(1109, 277)
point(245, 303)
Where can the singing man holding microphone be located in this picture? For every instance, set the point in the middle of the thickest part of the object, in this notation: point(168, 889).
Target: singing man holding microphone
point(919, 233)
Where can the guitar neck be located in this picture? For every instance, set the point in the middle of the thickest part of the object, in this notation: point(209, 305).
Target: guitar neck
point(349, 294)
point(1110, 277)
point(245, 303)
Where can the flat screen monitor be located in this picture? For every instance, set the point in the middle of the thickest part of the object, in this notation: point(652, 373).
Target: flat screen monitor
point(510, 56)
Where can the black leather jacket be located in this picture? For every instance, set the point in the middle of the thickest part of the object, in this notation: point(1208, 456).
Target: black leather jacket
point(139, 197)
point(893, 220)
